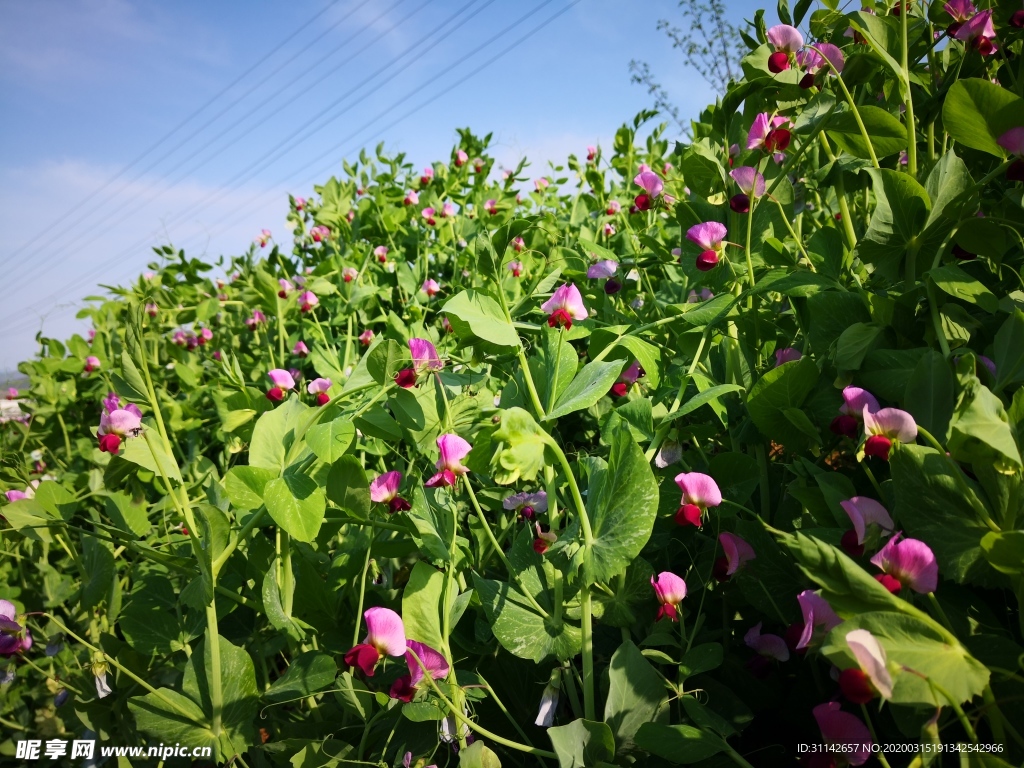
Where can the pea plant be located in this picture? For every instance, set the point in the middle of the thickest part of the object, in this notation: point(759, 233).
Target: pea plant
point(681, 453)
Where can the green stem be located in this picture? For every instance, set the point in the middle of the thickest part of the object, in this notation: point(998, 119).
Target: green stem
point(362, 592)
point(446, 598)
point(553, 381)
point(287, 578)
point(911, 125)
point(216, 694)
point(587, 614)
point(67, 440)
point(864, 710)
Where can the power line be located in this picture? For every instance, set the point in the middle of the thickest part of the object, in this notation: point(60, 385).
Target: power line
point(183, 123)
point(472, 73)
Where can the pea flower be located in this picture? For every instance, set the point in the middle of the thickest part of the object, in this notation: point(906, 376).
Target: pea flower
point(855, 400)
point(863, 512)
point(117, 423)
point(427, 176)
point(453, 450)
point(384, 490)
point(405, 687)
point(412, 197)
point(460, 158)
point(12, 393)
point(769, 648)
point(478, 165)
point(348, 274)
point(670, 591)
point(979, 32)
point(283, 381)
point(14, 637)
point(737, 553)
point(669, 453)
point(286, 288)
point(907, 563)
point(152, 309)
point(381, 252)
point(700, 491)
point(608, 229)
point(307, 300)
point(652, 185)
point(564, 306)
point(602, 269)
point(751, 184)
point(614, 206)
point(709, 236)
point(15, 495)
point(885, 426)
point(527, 505)
point(103, 689)
point(768, 134)
point(319, 387)
point(786, 41)
point(814, 61)
point(424, 358)
point(257, 319)
point(819, 618)
point(549, 700)
point(851, 737)
point(92, 363)
point(447, 210)
point(516, 268)
point(871, 676)
point(544, 539)
point(300, 203)
point(320, 233)
point(787, 355)
point(263, 238)
point(385, 636)
point(204, 335)
point(518, 244)
point(627, 379)
point(1013, 142)
point(300, 349)
point(366, 337)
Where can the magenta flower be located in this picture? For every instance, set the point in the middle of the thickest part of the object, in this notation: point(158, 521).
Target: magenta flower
point(819, 618)
point(871, 676)
point(381, 252)
point(307, 300)
point(885, 426)
point(652, 185)
point(516, 268)
point(281, 378)
point(813, 61)
point(855, 400)
point(864, 512)
point(300, 203)
point(412, 197)
point(478, 165)
point(14, 495)
point(591, 153)
point(603, 269)
point(737, 553)
point(960, 10)
point(979, 32)
point(608, 229)
point(787, 355)
point(385, 636)
point(852, 737)
point(751, 184)
point(257, 319)
point(424, 355)
point(627, 379)
point(92, 363)
point(319, 233)
point(908, 563)
point(695, 298)
point(1013, 141)
point(766, 133)
point(564, 306)
point(670, 591)
point(770, 646)
point(700, 491)
point(428, 215)
point(491, 206)
point(12, 393)
point(300, 349)
point(405, 687)
point(525, 504)
point(366, 337)
point(427, 176)
point(262, 238)
point(384, 490)
point(709, 236)
point(348, 274)
point(286, 288)
point(447, 210)
point(461, 158)
point(518, 244)
point(430, 287)
point(152, 309)
point(453, 450)
point(319, 387)
point(540, 184)
point(14, 638)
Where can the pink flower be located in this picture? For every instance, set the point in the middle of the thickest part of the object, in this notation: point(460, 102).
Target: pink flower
point(700, 491)
point(281, 378)
point(300, 203)
point(381, 252)
point(708, 235)
point(152, 309)
point(412, 197)
point(591, 153)
point(908, 562)
point(453, 450)
point(737, 552)
point(14, 495)
point(787, 355)
point(384, 490)
point(447, 210)
point(427, 176)
point(366, 337)
point(424, 355)
point(262, 238)
point(12, 393)
point(460, 158)
point(491, 206)
point(885, 426)
point(319, 233)
point(307, 300)
point(960, 10)
point(317, 386)
point(602, 269)
point(117, 423)
point(516, 268)
point(627, 379)
point(695, 298)
point(812, 60)
point(300, 349)
point(428, 215)
point(979, 32)
point(1013, 141)
point(770, 646)
point(614, 206)
point(871, 676)
point(670, 591)
point(785, 38)
point(841, 728)
point(855, 400)
point(430, 287)
point(652, 185)
point(385, 636)
point(286, 288)
point(405, 687)
point(478, 165)
point(749, 180)
point(258, 318)
point(14, 638)
point(540, 184)
point(762, 126)
point(608, 229)
point(205, 335)
point(92, 363)
point(518, 244)
point(864, 512)
point(564, 306)
point(819, 618)
point(348, 274)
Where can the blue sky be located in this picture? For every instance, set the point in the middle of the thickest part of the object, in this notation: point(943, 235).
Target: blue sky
point(86, 86)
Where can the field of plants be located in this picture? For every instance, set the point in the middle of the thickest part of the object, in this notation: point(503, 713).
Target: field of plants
point(704, 452)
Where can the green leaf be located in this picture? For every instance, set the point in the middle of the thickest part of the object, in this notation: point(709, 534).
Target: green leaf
point(680, 744)
point(330, 441)
point(385, 359)
point(582, 744)
point(980, 432)
point(421, 601)
point(147, 451)
point(853, 344)
point(711, 395)
point(56, 499)
point(622, 501)
point(133, 386)
point(273, 607)
point(520, 445)
point(902, 208)
point(1004, 551)
point(520, 630)
point(297, 504)
point(701, 658)
point(636, 695)
point(246, 485)
point(170, 717)
point(888, 135)
point(126, 514)
point(977, 112)
point(933, 507)
point(348, 488)
point(98, 564)
point(1008, 351)
point(930, 393)
point(957, 283)
point(475, 315)
point(151, 621)
point(917, 645)
point(274, 434)
point(308, 672)
point(477, 755)
point(590, 385)
point(779, 389)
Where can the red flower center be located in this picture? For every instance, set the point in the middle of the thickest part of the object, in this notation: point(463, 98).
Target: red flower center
point(560, 318)
point(856, 686)
point(323, 398)
point(778, 62)
point(688, 514)
point(878, 446)
point(740, 203)
point(777, 140)
point(850, 544)
point(110, 443)
point(889, 582)
point(406, 378)
point(398, 504)
point(275, 394)
point(707, 261)
point(845, 425)
point(643, 202)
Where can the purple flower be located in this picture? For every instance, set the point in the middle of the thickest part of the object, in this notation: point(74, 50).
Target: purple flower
point(770, 646)
point(564, 306)
point(819, 618)
point(787, 355)
point(841, 728)
point(602, 269)
point(670, 591)
point(910, 563)
point(385, 636)
point(453, 450)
